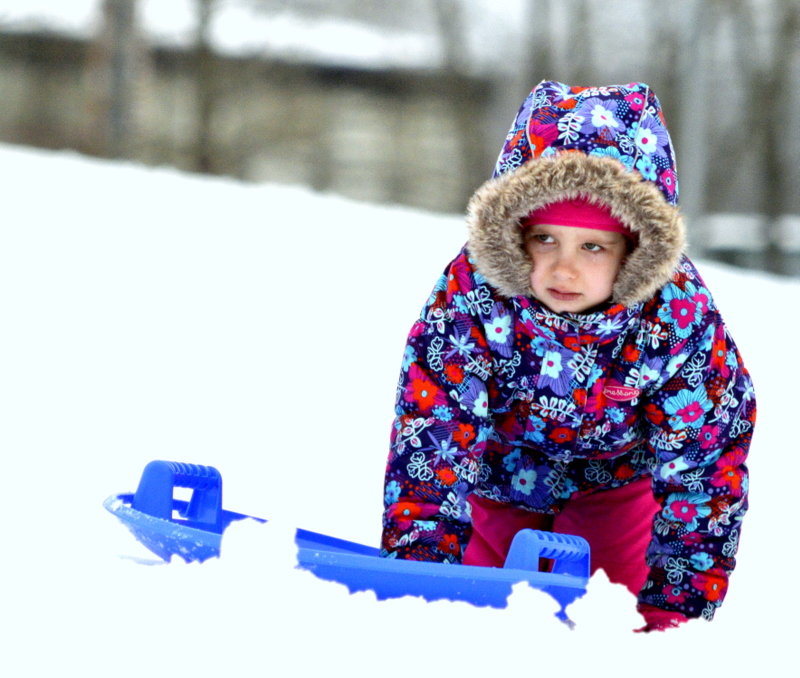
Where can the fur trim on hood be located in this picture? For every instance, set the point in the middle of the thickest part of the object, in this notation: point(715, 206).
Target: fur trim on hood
point(556, 169)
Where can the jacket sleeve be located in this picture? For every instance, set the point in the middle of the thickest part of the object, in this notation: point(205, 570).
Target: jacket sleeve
point(442, 422)
point(702, 420)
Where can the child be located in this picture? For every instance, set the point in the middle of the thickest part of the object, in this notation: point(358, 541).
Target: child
point(570, 371)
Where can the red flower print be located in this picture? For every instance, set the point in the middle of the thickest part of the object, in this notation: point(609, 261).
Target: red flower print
point(729, 472)
point(446, 476)
point(675, 594)
point(683, 312)
point(708, 436)
point(701, 299)
point(624, 472)
point(631, 353)
point(562, 435)
point(669, 181)
point(691, 413)
point(719, 354)
point(598, 401)
point(454, 373)
point(541, 137)
point(691, 538)
point(713, 584)
point(653, 414)
point(404, 513)
point(449, 544)
point(514, 141)
point(424, 392)
point(464, 435)
point(684, 510)
point(478, 337)
point(421, 390)
point(417, 329)
point(635, 101)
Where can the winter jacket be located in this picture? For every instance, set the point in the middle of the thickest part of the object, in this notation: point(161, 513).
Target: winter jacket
point(500, 396)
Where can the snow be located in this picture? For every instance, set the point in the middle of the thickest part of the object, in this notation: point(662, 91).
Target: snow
point(149, 314)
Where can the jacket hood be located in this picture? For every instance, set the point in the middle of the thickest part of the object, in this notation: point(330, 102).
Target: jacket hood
point(607, 144)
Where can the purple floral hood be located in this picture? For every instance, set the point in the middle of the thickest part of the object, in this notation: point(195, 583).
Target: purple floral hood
point(607, 144)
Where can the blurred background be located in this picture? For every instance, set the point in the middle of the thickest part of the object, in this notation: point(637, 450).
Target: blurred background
point(408, 102)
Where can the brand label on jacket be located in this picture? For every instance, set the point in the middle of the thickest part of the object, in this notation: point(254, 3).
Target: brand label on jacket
point(620, 393)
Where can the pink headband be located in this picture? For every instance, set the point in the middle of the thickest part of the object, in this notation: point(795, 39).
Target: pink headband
point(579, 213)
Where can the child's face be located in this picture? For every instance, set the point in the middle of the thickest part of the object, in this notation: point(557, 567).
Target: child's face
point(574, 269)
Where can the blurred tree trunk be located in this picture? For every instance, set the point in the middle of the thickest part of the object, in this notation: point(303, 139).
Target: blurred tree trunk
point(580, 39)
point(114, 67)
point(771, 75)
point(470, 162)
point(776, 175)
point(205, 89)
point(693, 116)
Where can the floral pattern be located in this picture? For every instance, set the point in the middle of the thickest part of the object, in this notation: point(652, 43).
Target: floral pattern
point(624, 122)
point(522, 416)
point(504, 398)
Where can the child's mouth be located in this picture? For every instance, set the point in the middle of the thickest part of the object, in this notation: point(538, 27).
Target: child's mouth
point(563, 296)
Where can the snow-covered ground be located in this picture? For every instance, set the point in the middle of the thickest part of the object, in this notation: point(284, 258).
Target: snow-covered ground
point(148, 315)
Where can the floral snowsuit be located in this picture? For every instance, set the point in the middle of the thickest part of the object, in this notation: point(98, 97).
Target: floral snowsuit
point(502, 397)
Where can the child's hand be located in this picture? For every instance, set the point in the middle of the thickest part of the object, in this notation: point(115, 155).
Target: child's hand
point(658, 619)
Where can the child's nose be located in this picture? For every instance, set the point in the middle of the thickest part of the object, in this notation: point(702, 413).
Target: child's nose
point(566, 265)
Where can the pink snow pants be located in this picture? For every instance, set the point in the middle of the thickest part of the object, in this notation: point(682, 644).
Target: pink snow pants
point(617, 524)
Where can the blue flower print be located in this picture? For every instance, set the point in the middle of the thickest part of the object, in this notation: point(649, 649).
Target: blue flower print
point(539, 346)
point(701, 561)
point(615, 414)
point(612, 152)
point(534, 428)
point(511, 459)
point(594, 375)
point(460, 303)
point(392, 492)
point(647, 168)
point(560, 486)
point(688, 408)
point(442, 413)
point(409, 356)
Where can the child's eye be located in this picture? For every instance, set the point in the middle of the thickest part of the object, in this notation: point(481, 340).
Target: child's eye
point(543, 238)
point(593, 247)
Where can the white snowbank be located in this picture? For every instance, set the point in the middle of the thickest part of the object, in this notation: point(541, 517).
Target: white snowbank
point(259, 329)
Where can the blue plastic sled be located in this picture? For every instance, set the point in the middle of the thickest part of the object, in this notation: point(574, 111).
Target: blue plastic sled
point(193, 530)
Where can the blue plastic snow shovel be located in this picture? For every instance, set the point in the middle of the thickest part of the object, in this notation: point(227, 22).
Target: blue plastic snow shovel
point(193, 530)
